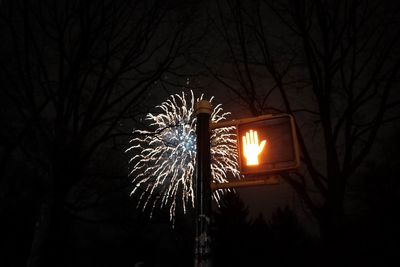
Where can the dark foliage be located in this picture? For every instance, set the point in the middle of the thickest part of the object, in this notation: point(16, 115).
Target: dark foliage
point(240, 241)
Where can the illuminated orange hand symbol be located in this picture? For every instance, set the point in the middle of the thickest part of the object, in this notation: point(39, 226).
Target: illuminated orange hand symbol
point(251, 149)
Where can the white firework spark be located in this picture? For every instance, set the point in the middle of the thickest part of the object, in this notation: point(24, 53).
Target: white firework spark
point(165, 158)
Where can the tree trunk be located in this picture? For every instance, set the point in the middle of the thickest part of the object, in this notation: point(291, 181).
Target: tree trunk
point(51, 227)
point(41, 234)
point(332, 223)
point(50, 232)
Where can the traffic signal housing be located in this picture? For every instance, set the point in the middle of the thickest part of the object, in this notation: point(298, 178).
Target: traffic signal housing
point(267, 144)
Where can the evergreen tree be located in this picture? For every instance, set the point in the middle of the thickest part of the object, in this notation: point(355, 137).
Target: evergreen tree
point(231, 230)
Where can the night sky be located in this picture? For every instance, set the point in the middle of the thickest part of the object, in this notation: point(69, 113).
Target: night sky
point(79, 77)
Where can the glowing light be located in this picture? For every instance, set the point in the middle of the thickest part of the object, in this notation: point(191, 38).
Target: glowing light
point(165, 157)
point(251, 148)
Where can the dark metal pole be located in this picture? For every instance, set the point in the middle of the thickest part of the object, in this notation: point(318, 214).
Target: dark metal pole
point(203, 189)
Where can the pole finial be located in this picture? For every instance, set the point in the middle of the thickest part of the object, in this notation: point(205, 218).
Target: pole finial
point(203, 106)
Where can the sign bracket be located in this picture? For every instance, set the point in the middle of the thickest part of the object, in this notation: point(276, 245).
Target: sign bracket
point(270, 180)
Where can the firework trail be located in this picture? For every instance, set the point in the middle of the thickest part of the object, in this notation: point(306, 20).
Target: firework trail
point(165, 158)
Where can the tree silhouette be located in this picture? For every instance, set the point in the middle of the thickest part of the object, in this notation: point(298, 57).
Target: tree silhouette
point(372, 232)
point(334, 65)
point(75, 74)
point(290, 238)
point(231, 230)
point(242, 242)
point(260, 245)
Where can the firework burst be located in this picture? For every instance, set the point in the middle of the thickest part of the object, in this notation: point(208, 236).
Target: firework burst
point(165, 157)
